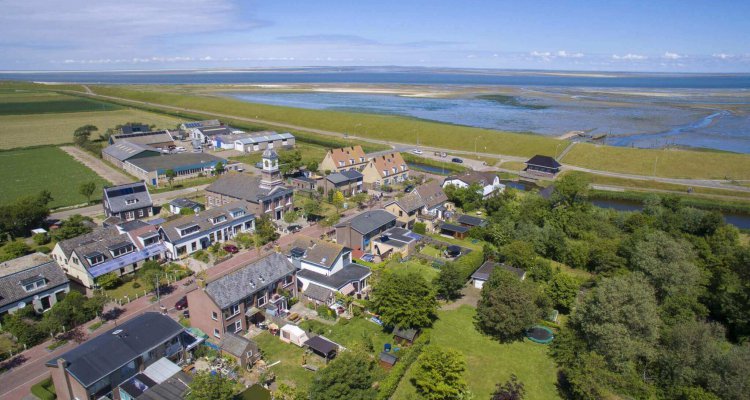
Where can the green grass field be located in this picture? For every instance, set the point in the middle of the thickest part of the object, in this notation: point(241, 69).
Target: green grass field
point(488, 361)
point(20, 103)
point(426, 270)
point(309, 152)
point(669, 163)
point(42, 129)
point(290, 369)
point(384, 127)
point(27, 172)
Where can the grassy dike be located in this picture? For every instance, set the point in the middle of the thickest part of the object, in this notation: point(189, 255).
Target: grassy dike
point(727, 206)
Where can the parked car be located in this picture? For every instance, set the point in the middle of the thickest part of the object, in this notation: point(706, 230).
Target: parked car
point(231, 249)
point(457, 160)
point(181, 303)
point(186, 314)
point(180, 149)
point(408, 188)
point(417, 151)
point(294, 228)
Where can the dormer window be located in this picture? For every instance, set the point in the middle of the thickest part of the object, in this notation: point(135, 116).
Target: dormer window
point(121, 249)
point(34, 283)
point(351, 161)
point(187, 230)
point(236, 213)
point(95, 258)
point(361, 159)
point(394, 169)
point(341, 163)
point(385, 172)
point(219, 219)
point(131, 201)
point(403, 167)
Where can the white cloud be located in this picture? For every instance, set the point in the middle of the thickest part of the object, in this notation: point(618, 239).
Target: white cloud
point(629, 56)
point(565, 54)
point(723, 56)
point(673, 56)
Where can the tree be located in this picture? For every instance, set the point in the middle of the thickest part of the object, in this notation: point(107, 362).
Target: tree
point(82, 134)
point(290, 216)
point(571, 189)
point(510, 390)
point(290, 161)
point(170, 174)
point(312, 166)
point(338, 201)
point(87, 189)
point(219, 168)
point(286, 392)
point(449, 281)
point(206, 386)
point(620, 320)
point(562, 290)
point(266, 229)
point(439, 374)
point(404, 299)
point(519, 254)
point(348, 377)
point(311, 207)
point(14, 250)
point(506, 307)
point(420, 228)
point(75, 225)
point(26, 213)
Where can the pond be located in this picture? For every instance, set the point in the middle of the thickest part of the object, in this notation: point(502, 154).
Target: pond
point(741, 221)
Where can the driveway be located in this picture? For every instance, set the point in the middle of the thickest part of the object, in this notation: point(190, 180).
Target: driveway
point(100, 167)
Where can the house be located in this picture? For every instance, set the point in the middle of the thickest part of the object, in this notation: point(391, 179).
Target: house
point(178, 204)
point(260, 141)
point(121, 152)
point(153, 170)
point(157, 139)
point(347, 182)
point(406, 208)
point(162, 380)
point(325, 268)
point(98, 366)
point(482, 274)
point(303, 182)
point(34, 280)
point(205, 133)
point(186, 235)
point(542, 165)
point(405, 337)
point(244, 351)
point(344, 159)
point(121, 249)
point(266, 195)
point(470, 221)
point(357, 232)
point(456, 231)
point(385, 170)
point(128, 202)
point(488, 181)
point(394, 241)
point(243, 297)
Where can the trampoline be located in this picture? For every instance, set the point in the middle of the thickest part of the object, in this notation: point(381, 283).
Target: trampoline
point(540, 334)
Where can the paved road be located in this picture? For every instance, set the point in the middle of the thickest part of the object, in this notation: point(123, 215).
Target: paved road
point(158, 199)
point(502, 157)
point(100, 167)
point(16, 383)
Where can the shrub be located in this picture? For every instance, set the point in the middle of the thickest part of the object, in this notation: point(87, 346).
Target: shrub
point(41, 238)
point(420, 228)
point(44, 249)
point(108, 281)
point(408, 356)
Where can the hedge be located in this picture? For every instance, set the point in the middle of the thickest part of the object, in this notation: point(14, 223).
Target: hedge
point(40, 390)
point(389, 385)
point(469, 263)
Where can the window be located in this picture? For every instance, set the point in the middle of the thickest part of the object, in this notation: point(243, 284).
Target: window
point(351, 161)
point(237, 325)
point(262, 301)
point(219, 219)
point(140, 213)
point(341, 163)
point(131, 201)
point(216, 333)
point(30, 287)
point(400, 213)
point(288, 280)
point(249, 354)
point(214, 315)
point(234, 310)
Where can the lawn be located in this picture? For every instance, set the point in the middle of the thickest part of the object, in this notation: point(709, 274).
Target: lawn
point(309, 152)
point(27, 172)
point(468, 243)
point(355, 332)
point(289, 370)
point(488, 361)
point(670, 163)
point(128, 289)
point(426, 270)
point(42, 129)
point(20, 103)
point(431, 251)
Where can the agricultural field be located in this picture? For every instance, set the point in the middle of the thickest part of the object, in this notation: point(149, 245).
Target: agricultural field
point(26, 172)
point(42, 129)
point(488, 361)
point(29, 102)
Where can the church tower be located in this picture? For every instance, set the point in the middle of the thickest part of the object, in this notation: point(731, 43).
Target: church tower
point(271, 176)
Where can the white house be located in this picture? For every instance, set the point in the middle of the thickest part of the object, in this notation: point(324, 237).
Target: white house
point(489, 182)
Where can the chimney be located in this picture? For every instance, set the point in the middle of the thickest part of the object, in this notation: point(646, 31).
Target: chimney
point(62, 365)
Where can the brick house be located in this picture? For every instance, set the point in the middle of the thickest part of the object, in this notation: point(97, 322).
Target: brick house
point(243, 297)
point(351, 158)
point(385, 170)
point(358, 232)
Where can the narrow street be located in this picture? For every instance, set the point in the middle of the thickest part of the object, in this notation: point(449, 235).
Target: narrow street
point(100, 167)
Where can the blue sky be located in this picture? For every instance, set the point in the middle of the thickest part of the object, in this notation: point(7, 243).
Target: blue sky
point(668, 36)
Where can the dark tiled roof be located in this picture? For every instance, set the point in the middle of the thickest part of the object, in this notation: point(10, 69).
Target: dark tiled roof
point(118, 197)
point(408, 334)
point(173, 388)
point(96, 235)
point(483, 273)
point(348, 274)
point(544, 161)
point(184, 203)
point(27, 269)
point(410, 202)
point(368, 221)
point(253, 277)
point(470, 177)
point(387, 358)
point(130, 226)
point(321, 345)
point(104, 354)
point(176, 162)
point(203, 220)
point(145, 138)
point(317, 292)
point(352, 175)
point(396, 237)
point(432, 194)
point(471, 220)
point(245, 187)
